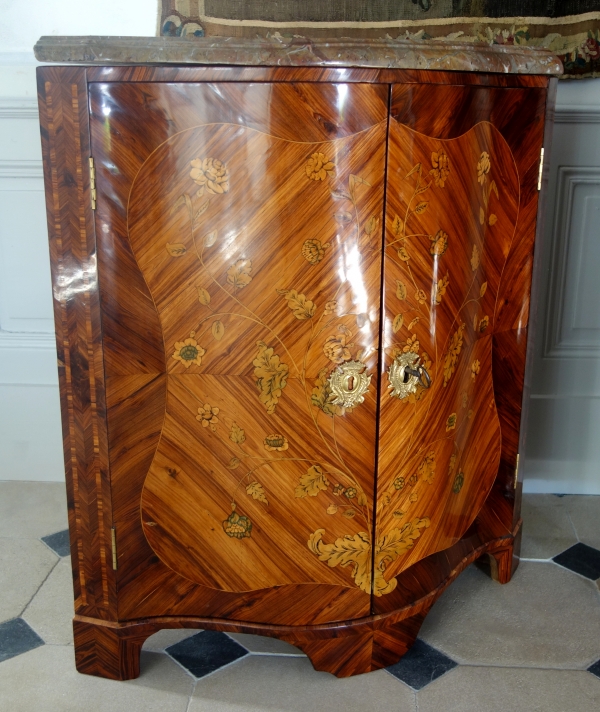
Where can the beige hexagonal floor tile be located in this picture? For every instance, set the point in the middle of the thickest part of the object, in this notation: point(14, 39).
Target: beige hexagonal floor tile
point(32, 509)
point(45, 679)
point(50, 612)
point(487, 689)
point(290, 684)
point(545, 617)
point(585, 515)
point(547, 528)
point(25, 565)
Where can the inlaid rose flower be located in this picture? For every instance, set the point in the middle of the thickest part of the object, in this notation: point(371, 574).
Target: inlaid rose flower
point(336, 349)
point(318, 167)
point(313, 251)
point(210, 173)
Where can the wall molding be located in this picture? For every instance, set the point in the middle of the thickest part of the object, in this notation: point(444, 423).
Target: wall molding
point(577, 114)
point(555, 345)
point(27, 359)
point(21, 169)
point(17, 107)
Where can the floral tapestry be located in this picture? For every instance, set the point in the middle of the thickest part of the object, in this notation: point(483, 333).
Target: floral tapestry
point(569, 28)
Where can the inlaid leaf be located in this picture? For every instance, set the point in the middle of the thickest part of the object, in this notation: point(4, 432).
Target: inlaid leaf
point(371, 225)
point(234, 463)
point(210, 239)
point(481, 216)
point(353, 181)
point(414, 169)
point(239, 274)
point(271, 376)
point(256, 491)
point(349, 513)
point(237, 434)
point(482, 289)
point(493, 219)
point(422, 189)
point(202, 209)
point(475, 258)
point(182, 200)
point(340, 195)
point(343, 217)
point(302, 308)
point(397, 225)
point(400, 289)
point(362, 499)
point(355, 550)
point(332, 509)
point(176, 249)
point(397, 323)
point(361, 320)
point(413, 323)
point(203, 296)
point(421, 208)
point(403, 254)
point(311, 482)
point(494, 187)
point(218, 330)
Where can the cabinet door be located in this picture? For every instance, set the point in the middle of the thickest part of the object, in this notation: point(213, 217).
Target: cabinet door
point(239, 248)
point(460, 219)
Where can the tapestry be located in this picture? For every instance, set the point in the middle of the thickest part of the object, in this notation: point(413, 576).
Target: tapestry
point(569, 28)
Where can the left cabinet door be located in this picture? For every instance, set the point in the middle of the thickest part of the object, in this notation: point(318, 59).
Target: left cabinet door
point(239, 232)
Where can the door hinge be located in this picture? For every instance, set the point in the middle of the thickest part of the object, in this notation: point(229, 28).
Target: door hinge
point(113, 539)
point(516, 471)
point(93, 193)
point(541, 169)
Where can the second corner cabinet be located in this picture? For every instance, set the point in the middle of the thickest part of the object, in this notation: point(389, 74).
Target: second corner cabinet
point(292, 321)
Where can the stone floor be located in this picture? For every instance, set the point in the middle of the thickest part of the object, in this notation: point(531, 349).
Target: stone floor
point(530, 646)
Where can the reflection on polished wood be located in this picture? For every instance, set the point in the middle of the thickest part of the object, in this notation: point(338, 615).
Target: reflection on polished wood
point(242, 233)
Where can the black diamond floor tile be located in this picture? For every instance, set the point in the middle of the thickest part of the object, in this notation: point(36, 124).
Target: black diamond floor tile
point(17, 637)
point(595, 668)
point(206, 652)
point(59, 542)
point(421, 665)
point(582, 559)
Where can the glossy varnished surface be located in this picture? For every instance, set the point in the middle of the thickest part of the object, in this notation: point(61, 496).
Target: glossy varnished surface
point(258, 293)
point(211, 264)
point(451, 211)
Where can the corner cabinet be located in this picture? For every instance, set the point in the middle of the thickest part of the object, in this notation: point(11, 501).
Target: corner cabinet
point(292, 308)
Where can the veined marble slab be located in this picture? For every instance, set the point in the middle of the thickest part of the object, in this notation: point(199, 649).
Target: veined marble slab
point(299, 52)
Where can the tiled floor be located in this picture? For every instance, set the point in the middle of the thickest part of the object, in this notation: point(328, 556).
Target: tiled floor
point(530, 646)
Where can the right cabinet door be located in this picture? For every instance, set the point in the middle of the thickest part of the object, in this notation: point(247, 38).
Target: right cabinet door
point(457, 266)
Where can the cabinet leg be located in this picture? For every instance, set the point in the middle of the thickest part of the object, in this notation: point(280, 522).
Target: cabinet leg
point(107, 651)
point(355, 654)
point(502, 563)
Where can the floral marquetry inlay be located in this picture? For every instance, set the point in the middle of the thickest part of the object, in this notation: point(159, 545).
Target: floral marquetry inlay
point(283, 324)
point(444, 255)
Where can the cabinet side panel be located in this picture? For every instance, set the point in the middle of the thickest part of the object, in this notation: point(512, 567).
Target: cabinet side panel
point(65, 149)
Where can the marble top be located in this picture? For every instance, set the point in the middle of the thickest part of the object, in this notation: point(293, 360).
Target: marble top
point(299, 52)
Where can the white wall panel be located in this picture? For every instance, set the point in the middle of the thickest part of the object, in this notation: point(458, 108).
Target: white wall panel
point(562, 451)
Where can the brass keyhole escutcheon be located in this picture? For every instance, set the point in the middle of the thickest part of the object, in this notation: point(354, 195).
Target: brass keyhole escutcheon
point(348, 383)
point(406, 374)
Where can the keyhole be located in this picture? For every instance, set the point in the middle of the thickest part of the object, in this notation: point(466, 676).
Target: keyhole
point(350, 383)
point(406, 377)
